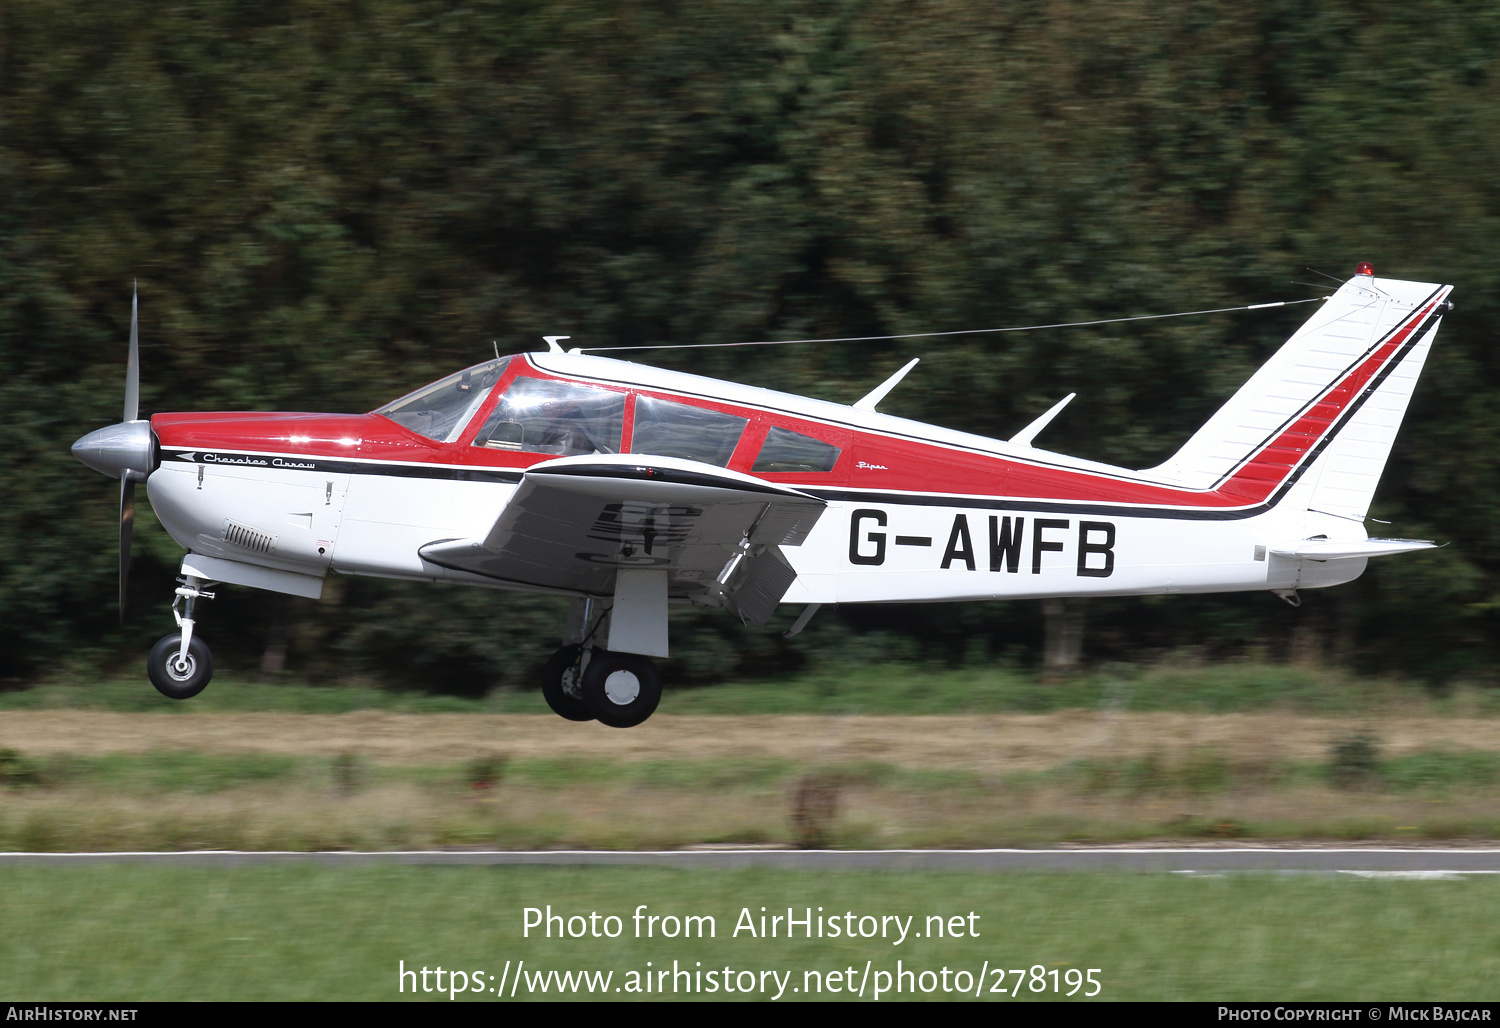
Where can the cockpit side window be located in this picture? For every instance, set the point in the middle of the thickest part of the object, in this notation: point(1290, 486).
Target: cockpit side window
point(441, 410)
point(785, 450)
point(667, 429)
point(538, 415)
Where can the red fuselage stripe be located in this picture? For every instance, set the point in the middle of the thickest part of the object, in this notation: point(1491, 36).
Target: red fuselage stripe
point(935, 468)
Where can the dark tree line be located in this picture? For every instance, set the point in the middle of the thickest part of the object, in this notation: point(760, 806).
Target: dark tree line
point(327, 204)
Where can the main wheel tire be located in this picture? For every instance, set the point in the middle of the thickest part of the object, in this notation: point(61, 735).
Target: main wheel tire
point(564, 661)
point(622, 689)
point(184, 682)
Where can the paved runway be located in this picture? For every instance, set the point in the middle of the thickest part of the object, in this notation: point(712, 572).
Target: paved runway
point(1402, 862)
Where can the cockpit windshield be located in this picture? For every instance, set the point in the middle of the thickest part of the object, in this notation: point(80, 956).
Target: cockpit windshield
point(441, 410)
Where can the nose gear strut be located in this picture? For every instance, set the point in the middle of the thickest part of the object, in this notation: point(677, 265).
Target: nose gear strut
point(180, 665)
point(192, 591)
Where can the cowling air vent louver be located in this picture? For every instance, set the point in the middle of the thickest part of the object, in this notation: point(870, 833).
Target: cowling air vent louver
point(248, 538)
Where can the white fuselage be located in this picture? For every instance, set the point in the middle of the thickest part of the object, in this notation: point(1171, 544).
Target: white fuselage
point(861, 551)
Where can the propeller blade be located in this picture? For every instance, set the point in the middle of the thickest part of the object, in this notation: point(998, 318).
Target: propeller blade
point(133, 366)
point(127, 525)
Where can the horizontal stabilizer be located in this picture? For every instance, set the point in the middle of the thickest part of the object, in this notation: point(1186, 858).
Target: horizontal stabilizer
point(1324, 549)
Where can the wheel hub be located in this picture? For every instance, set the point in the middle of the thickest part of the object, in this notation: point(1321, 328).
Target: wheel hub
point(622, 687)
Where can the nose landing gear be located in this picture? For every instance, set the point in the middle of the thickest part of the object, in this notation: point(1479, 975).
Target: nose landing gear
point(180, 664)
point(175, 675)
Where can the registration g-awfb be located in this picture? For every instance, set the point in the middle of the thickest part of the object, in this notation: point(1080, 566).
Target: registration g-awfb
point(630, 488)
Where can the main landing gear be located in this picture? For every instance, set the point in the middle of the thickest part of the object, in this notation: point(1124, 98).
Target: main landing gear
point(180, 664)
point(587, 684)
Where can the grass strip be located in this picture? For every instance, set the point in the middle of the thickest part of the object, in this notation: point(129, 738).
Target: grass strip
point(297, 932)
point(182, 799)
point(893, 688)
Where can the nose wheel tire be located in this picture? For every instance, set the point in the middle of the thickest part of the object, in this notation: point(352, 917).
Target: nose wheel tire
point(622, 689)
point(179, 681)
point(561, 688)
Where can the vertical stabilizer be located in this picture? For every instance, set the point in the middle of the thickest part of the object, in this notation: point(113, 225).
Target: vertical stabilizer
point(1325, 409)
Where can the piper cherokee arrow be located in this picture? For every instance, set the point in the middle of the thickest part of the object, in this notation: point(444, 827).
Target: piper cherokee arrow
point(630, 488)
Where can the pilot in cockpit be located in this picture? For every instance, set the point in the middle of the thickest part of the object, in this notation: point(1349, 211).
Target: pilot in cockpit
point(562, 427)
point(562, 418)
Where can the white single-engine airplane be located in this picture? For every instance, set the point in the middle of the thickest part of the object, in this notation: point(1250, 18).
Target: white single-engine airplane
point(629, 488)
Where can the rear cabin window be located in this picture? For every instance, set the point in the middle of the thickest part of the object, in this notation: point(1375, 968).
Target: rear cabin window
point(785, 450)
point(667, 429)
point(539, 415)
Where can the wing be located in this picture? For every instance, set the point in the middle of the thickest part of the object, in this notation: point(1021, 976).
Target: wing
point(573, 523)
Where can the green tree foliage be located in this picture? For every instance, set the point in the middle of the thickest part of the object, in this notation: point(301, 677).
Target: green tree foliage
point(327, 204)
